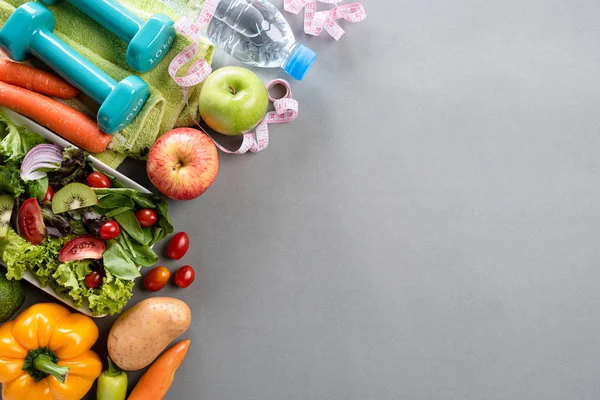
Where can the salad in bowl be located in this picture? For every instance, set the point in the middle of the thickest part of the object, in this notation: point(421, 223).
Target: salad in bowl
point(70, 225)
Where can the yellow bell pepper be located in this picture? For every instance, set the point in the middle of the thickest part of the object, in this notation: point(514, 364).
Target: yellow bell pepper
point(45, 354)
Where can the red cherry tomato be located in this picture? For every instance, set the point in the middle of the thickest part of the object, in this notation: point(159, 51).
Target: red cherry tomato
point(49, 195)
point(93, 280)
point(82, 248)
point(146, 217)
point(109, 230)
point(178, 246)
point(185, 276)
point(156, 279)
point(98, 180)
point(31, 223)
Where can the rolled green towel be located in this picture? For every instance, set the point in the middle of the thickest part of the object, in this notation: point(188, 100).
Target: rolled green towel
point(165, 107)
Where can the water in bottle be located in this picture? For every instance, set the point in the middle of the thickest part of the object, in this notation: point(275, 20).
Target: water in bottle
point(256, 33)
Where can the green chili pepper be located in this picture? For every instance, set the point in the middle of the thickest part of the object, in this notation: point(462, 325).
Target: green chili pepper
point(112, 383)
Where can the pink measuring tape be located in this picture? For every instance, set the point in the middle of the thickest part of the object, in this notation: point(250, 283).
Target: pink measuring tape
point(317, 21)
point(286, 108)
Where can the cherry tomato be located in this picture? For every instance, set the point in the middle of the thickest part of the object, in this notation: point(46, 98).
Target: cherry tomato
point(31, 223)
point(82, 248)
point(98, 180)
point(109, 230)
point(178, 246)
point(185, 276)
point(49, 195)
point(156, 279)
point(146, 217)
point(93, 280)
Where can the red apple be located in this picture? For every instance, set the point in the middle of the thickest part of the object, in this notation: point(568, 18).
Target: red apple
point(183, 163)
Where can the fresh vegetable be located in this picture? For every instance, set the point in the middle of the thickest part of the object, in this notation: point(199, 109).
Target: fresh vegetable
point(98, 180)
point(35, 79)
point(157, 381)
point(6, 206)
point(68, 280)
point(115, 201)
point(93, 280)
point(185, 276)
point(10, 182)
point(49, 195)
point(157, 279)
point(123, 255)
point(82, 248)
point(69, 123)
point(73, 197)
point(183, 163)
point(112, 383)
point(46, 354)
point(147, 217)
point(15, 141)
point(131, 225)
point(56, 225)
point(72, 168)
point(12, 296)
point(141, 333)
point(178, 246)
point(39, 160)
point(118, 261)
point(109, 230)
point(31, 223)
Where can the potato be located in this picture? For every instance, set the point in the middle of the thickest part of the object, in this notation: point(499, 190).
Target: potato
point(145, 330)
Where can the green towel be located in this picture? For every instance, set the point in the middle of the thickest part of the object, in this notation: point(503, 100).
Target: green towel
point(165, 107)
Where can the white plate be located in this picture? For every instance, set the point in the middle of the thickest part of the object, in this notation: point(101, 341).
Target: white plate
point(54, 138)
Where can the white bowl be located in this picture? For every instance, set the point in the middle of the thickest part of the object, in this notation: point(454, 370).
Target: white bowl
point(54, 138)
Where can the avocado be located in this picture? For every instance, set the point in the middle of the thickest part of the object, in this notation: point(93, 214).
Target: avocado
point(12, 296)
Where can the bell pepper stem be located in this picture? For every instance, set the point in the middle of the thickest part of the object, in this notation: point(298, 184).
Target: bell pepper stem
point(44, 363)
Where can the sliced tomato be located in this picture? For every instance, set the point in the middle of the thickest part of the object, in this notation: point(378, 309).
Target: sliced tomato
point(82, 248)
point(31, 223)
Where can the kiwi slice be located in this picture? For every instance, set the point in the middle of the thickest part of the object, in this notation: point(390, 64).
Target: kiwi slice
point(6, 207)
point(72, 197)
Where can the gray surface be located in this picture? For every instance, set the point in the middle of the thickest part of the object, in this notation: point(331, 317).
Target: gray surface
point(427, 229)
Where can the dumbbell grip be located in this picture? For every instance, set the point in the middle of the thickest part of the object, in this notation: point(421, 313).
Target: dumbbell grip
point(71, 65)
point(112, 15)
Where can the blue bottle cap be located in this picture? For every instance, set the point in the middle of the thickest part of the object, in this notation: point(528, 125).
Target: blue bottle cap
point(300, 62)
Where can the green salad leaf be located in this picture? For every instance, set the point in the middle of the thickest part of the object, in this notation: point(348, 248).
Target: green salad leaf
point(112, 296)
point(129, 223)
point(118, 262)
point(139, 254)
point(15, 141)
point(10, 181)
point(37, 188)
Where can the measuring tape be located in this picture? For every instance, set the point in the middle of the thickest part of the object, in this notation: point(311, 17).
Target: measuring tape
point(317, 21)
point(286, 108)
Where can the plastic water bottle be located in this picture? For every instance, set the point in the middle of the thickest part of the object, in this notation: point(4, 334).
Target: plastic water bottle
point(256, 33)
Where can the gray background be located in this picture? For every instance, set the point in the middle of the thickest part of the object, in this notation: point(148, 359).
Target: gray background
point(427, 229)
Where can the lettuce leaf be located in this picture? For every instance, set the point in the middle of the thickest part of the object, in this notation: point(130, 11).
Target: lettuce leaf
point(10, 181)
point(111, 297)
point(15, 141)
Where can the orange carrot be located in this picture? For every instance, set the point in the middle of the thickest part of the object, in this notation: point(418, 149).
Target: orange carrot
point(155, 383)
point(69, 123)
point(35, 79)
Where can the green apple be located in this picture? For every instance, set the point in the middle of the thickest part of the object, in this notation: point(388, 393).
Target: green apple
point(233, 100)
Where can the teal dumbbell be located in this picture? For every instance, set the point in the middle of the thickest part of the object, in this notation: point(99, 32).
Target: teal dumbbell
point(29, 31)
point(149, 41)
